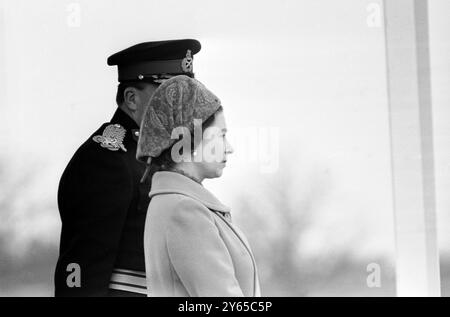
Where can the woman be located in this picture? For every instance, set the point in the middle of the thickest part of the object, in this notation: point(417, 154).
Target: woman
point(191, 246)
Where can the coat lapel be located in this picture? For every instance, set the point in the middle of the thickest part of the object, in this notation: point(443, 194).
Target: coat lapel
point(243, 239)
point(174, 183)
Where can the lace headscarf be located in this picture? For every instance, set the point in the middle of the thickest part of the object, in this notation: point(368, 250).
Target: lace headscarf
point(175, 103)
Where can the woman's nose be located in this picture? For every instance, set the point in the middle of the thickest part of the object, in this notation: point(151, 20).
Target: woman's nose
point(229, 149)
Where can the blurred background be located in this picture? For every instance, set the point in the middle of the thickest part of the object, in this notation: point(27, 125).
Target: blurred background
point(303, 84)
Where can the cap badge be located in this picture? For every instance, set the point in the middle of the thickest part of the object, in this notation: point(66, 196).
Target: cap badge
point(112, 137)
point(187, 63)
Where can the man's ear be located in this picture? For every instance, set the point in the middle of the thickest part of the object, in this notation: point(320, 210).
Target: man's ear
point(131, 98)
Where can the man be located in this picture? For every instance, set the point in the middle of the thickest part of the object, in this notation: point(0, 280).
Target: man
point(101, 200)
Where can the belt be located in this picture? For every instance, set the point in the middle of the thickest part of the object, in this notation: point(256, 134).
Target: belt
point(128, 281)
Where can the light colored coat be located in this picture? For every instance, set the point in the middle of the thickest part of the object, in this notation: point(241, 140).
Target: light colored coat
point(191, 247)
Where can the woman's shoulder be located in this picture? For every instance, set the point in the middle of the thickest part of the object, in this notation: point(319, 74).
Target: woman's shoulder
point(176, 205)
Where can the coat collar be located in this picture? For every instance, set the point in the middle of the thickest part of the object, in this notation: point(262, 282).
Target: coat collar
point(174, 183)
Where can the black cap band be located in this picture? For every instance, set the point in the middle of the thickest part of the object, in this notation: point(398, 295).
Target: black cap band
point(145, 70)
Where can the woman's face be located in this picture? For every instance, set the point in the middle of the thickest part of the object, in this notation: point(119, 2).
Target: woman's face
point(214, 148)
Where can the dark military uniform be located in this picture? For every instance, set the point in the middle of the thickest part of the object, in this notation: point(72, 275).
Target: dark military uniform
point(101, 200)
point(103, 207)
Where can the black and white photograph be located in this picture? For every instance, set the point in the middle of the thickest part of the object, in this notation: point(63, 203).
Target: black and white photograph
point(225, 149)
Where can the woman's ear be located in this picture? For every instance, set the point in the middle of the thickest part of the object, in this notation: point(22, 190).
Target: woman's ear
point(131, 98)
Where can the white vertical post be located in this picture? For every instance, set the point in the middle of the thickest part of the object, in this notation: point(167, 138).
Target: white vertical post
point(408, 71)
point(2, 57)
point(2, 52)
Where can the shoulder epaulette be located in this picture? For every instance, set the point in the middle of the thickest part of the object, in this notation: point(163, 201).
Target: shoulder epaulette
point(112, 137)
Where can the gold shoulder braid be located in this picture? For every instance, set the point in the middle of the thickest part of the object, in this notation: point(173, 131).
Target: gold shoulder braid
point(112, 138)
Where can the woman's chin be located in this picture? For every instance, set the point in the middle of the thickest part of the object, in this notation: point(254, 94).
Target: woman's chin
point(219, 172)
point(215, 173)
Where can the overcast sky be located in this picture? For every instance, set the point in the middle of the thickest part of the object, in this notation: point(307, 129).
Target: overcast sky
point(311, 72)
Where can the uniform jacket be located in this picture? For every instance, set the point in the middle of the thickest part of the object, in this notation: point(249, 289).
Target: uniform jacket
point(191, 246)
point(102, 207)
